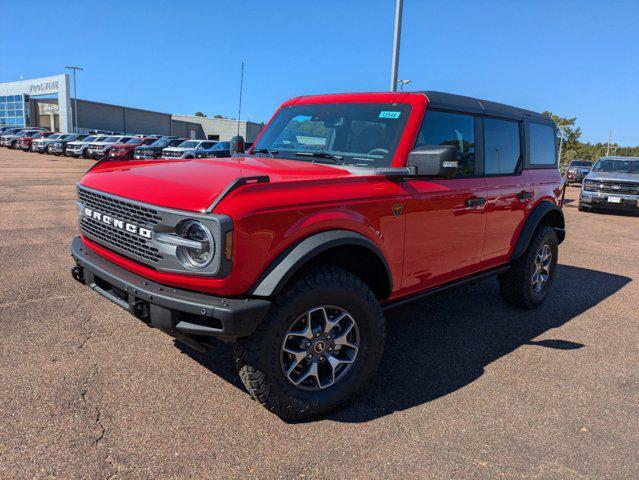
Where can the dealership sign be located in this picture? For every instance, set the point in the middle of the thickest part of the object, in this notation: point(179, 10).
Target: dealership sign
point(44, 87)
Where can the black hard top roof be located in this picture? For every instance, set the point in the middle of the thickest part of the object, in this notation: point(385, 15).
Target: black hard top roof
point(450, 101)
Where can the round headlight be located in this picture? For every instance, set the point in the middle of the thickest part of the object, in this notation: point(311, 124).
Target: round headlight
point(195, 256)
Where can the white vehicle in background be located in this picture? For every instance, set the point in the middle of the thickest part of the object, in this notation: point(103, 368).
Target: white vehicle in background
point(188, 149)
point(101, 149)
point(79, 147)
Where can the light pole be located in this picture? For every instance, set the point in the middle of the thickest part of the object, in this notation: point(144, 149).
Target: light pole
point(402, 83)
point(562, 133)
point(75, 97)
point(398, 35)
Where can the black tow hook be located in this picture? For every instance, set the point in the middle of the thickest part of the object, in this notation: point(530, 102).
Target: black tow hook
point(77, 272)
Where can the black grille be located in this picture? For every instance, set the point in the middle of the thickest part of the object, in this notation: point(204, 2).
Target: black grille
point(119, 238)
point(109, 235)
point(617, 187)
point(122, 210)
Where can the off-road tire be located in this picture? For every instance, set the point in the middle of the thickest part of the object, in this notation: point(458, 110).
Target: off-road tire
point(516, 286)
point(257, 358)
point(85, 154)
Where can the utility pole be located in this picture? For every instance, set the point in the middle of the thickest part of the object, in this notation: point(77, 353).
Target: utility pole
point(75, 97)
point(398, 35)
point(239, 109)
point(609, 139)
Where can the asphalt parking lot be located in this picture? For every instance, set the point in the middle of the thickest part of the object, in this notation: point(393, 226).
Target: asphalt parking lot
point(468, 388)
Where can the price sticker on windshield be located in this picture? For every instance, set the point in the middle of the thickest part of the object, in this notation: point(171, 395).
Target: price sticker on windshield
point(389, 114)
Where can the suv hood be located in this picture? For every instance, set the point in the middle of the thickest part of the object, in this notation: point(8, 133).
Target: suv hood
point(613, 176)
point(195, 183)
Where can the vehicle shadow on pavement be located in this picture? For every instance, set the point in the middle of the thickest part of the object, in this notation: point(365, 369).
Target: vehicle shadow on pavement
point(442, 344)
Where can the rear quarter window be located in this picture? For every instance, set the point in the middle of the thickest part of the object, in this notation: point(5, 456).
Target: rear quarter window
point(542, 144)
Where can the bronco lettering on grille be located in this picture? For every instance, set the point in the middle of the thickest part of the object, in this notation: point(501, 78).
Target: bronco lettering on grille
point(114, 222)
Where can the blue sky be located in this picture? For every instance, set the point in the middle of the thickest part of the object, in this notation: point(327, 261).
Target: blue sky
point(576, 58)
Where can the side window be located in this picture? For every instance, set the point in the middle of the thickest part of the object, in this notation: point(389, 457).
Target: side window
point(542, 144)
point(443, 128)
point(502, 146)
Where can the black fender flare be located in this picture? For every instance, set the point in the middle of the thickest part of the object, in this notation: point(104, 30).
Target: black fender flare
point(532, 222)
point(295, 257)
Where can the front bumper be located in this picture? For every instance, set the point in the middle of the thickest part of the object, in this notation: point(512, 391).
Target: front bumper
point(95, 153)
point(603, 200)
point(53, 149)
point(177, 312)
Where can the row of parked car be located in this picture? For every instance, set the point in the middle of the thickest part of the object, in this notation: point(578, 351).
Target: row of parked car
point(120, 147)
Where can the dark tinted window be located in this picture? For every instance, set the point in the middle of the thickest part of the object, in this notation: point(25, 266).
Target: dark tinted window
point(363, 134)
point(502, 146)
point(441, 128)
point(542, 144)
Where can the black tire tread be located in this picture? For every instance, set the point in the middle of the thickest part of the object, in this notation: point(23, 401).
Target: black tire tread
point(515, 283)
point(247, 350)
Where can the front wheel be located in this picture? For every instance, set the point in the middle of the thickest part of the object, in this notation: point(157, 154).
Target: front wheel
point(320, 343)
point(528, 281)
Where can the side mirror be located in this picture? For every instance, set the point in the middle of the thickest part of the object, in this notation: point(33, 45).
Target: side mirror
point(237, 145)
point(433, 161)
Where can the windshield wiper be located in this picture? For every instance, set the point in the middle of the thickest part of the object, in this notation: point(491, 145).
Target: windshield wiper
point(265, 150)
point(337, 159)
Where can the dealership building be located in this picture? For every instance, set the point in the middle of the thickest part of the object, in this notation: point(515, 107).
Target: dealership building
point(46, 102)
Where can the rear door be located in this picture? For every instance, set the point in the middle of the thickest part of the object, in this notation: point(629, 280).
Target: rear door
point(509, 192)
point(445, 218)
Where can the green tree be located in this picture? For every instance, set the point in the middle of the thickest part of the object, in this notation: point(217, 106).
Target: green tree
point(199, 114)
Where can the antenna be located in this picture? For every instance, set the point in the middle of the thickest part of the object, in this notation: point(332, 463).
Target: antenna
point(239, 109)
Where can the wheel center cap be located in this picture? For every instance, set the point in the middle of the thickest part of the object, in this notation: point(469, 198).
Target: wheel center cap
point(319, 347)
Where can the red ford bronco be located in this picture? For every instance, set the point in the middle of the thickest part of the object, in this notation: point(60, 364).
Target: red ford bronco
point(345, 206)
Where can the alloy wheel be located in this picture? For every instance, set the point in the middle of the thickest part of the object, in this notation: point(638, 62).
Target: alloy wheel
point(320, 347)
point(541, 268)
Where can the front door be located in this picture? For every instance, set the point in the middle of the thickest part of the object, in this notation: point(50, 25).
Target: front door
point(445, 218)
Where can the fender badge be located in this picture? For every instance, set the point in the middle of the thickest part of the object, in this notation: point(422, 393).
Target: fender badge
point(397, 209)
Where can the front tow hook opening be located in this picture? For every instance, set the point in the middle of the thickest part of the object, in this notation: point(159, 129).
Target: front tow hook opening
point(77, 273)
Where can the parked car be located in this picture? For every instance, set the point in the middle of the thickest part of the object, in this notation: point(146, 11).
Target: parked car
point(9, 129)
point(102, 148)
point(78, 148)
point(59, 146)
point(154, 150)
point(40, 145)
point(295, 250)
point(611, 184)
point(12, 139)
point(8, 139)
point(220, 149)
point(124, 151)
point(26, 143)
point(188, 149)
point(577, 170)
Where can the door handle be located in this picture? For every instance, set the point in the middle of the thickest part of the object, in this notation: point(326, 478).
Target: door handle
point(524, 195)
point(475, 202)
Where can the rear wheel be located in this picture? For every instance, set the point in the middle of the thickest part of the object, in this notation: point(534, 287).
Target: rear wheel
point(528, 281)
point(320, 343)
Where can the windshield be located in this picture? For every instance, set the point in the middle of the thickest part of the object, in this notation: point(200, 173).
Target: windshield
point(363, 134)
point(100, 139)
point(68, 137)
point(580, 164)
point(134, 141)
point(161, 142)
point(221, 146)
point(189, 144)
point(90, 139)
point(617, 166)
point(55, 136)
point(110, 139)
